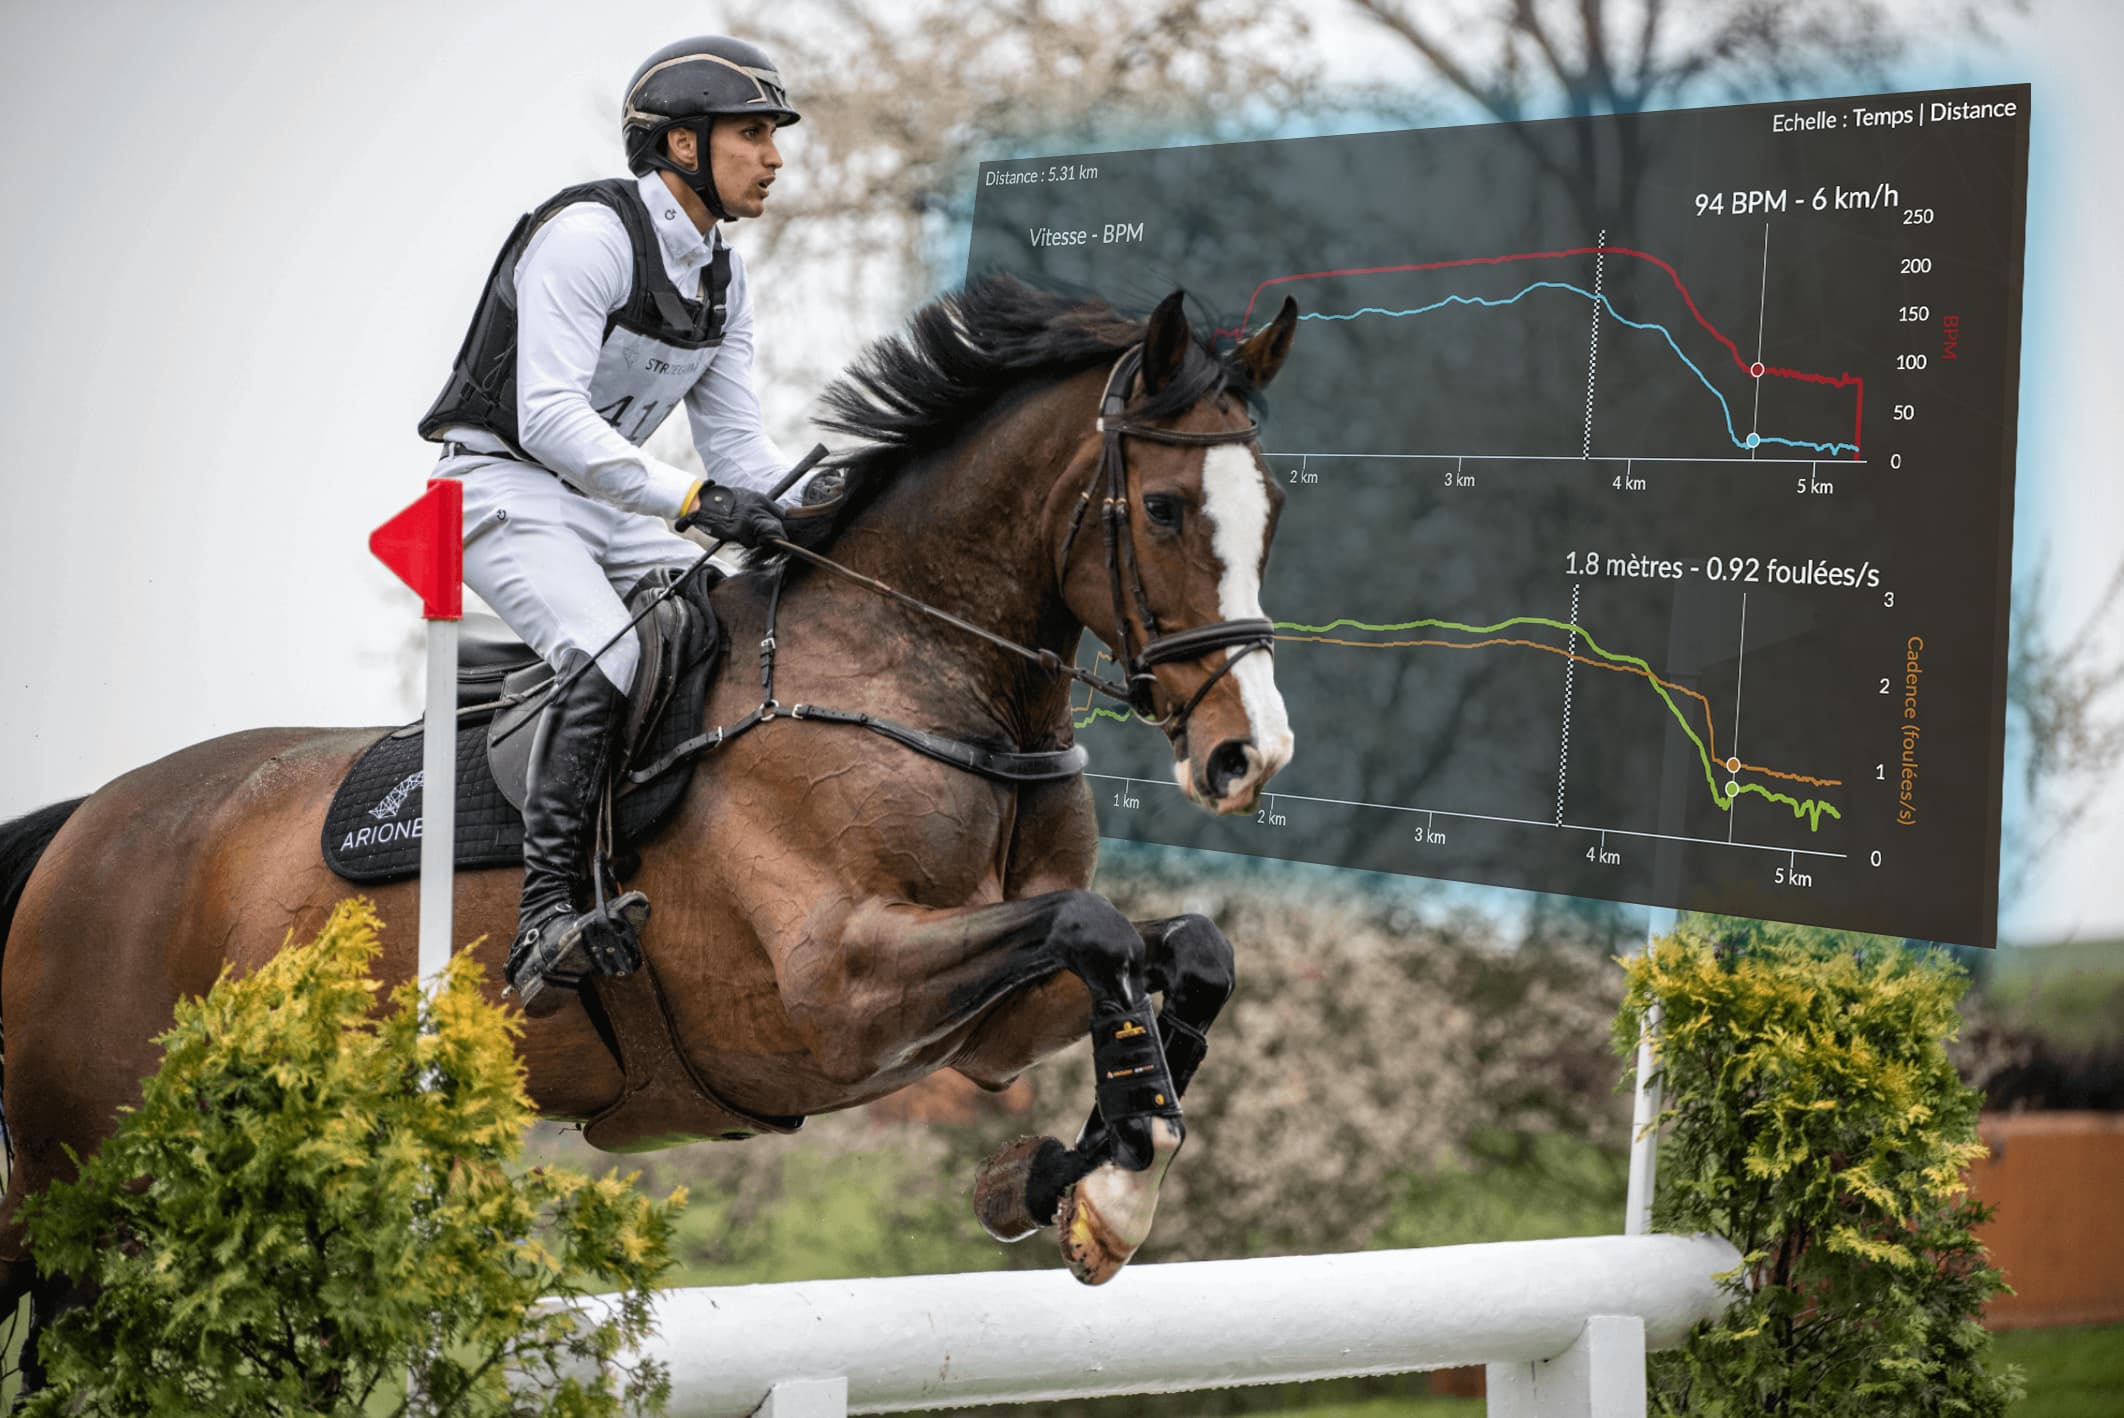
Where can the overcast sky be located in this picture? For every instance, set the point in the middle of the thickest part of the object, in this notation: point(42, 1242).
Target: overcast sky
point(242, 240)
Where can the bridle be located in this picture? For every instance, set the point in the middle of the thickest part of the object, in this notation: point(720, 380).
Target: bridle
point(1124, 573)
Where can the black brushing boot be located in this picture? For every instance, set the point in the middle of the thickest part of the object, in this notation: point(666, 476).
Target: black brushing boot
point(558, 941)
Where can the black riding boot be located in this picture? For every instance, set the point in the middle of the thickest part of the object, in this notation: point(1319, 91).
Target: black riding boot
point(559, 941)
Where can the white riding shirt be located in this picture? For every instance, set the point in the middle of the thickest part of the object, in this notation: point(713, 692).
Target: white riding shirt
point(577, 269)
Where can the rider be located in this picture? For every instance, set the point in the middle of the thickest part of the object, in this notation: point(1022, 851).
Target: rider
point(609, 305)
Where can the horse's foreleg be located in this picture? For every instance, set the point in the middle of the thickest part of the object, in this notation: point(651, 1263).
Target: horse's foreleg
point(903, 975)
point(1192, 965)
point(1102, 1192)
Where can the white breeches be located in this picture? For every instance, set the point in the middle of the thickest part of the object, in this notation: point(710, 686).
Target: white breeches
point(554, 564)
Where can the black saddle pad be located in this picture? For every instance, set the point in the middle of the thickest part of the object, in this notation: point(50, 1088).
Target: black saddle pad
point(372, 831)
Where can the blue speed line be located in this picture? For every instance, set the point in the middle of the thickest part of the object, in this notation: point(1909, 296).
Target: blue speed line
point(1724, 407)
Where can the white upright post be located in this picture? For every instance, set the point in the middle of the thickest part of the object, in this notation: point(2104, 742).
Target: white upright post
point(1644, 1111)
point(424, 547)
point(1602, 1375)
point(438, 827)
point(805, 1398)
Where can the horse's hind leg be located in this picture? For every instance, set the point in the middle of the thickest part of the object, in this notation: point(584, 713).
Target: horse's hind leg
point(17, 1275)
point(1098, 1190)
point(48, 1296)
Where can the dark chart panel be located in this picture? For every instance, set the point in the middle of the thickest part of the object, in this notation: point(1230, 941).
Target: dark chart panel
point(1648, 483)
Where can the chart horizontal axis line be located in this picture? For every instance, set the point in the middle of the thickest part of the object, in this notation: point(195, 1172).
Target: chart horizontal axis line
point(1488, 817)
point(1576, 458)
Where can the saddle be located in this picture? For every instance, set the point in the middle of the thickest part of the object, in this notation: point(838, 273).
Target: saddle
point(373, 829)
point(372, 834)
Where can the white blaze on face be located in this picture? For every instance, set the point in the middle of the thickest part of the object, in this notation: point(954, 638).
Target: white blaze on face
point(1235, 499)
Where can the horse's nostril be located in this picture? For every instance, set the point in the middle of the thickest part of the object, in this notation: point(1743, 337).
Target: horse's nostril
point(1227, 765)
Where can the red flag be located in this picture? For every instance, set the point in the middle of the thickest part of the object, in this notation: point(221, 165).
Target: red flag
point(425, 547)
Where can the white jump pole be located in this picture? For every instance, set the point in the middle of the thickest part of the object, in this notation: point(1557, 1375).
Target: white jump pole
point(1644, 1110)
point(1563, 1326)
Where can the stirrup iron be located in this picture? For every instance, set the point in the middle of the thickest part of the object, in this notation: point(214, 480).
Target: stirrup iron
point(567, 947)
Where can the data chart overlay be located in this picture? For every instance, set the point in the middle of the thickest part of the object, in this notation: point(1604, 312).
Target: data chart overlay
point(1647, 492)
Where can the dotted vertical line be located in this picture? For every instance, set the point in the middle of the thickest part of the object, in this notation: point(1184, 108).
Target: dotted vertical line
point(1563, 747)
point(1600, 261)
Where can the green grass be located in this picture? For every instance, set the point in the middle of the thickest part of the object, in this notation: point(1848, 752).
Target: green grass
point(836, 1217)
point(1522, 1187)
point(2072, 995)
point(2071, 1373)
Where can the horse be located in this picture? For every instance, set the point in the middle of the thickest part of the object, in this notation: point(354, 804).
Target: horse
point(836, 916)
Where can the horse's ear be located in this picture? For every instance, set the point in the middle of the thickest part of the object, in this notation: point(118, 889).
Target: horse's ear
point(1165, 342)
point(1261, 355)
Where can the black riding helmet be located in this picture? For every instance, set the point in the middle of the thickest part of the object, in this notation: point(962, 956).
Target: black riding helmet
point(689, 85)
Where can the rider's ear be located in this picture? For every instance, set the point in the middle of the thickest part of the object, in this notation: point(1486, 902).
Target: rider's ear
point(681, 145)
point(1165, 342)
point(1262, 353)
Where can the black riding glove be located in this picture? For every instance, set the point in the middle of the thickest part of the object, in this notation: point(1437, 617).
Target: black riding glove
point(735, 514)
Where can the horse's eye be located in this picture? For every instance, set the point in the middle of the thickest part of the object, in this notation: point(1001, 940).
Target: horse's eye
point(1163, 509)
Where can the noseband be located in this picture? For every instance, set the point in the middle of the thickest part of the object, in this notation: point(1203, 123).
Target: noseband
point(1124, 573)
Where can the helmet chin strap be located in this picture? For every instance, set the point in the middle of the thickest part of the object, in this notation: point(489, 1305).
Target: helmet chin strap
point(704, 187)
point(700, 179)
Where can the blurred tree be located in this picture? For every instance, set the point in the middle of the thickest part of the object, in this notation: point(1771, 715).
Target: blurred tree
point(900, 104)
point(1516, 58)
point(2065, 701)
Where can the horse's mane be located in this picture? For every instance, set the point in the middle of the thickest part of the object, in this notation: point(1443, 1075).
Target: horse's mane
point(913, 393)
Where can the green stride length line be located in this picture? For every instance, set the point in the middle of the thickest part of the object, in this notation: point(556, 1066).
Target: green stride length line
point(1809, 810)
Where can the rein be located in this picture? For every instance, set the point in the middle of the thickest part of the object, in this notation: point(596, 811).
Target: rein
point(1046, 659)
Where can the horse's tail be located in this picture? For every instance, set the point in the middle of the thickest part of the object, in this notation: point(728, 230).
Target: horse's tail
point(22, 842)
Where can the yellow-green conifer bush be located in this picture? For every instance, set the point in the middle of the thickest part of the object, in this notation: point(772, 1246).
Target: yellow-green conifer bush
point(315, 1195)
point(1814, 1119)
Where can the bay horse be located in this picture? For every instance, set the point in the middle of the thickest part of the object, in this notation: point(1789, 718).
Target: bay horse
point(835, 916)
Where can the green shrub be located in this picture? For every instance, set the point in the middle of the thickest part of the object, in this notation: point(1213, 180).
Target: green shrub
point(315, 1197)
point(1815, 1121)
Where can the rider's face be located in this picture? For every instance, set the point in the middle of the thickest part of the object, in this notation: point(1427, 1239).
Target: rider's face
point(744, 159)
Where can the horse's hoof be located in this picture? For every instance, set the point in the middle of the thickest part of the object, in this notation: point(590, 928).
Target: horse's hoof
point(1000, 1189)
point(1107, 1216)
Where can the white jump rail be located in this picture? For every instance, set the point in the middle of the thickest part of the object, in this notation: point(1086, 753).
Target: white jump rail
point(1562, 1325)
